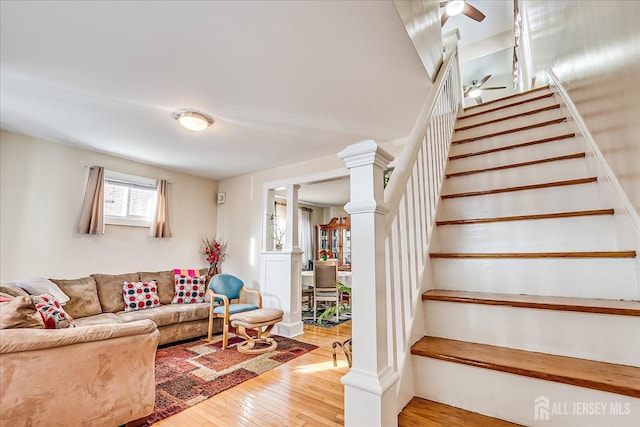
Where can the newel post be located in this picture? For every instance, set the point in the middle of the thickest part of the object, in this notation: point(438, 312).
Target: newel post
point(370, 387)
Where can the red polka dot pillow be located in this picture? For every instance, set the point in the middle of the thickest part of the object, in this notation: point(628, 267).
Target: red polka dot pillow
point(140, 295)
point(52, 313)
point(189, 290)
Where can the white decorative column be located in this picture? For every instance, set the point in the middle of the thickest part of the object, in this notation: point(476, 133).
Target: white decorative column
point(281, 273)
point(370, 391)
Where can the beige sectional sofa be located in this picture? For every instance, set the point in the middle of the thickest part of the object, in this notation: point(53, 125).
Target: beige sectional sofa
point(97, 299)
point(102, 371)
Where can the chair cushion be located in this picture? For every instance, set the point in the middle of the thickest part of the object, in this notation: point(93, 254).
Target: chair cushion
point(235, 308)
point(260, 316)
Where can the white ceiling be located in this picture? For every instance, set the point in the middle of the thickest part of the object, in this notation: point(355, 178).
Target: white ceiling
point(486, 47)
point(284, 81)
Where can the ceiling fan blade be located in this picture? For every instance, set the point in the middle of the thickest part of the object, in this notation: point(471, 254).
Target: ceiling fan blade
point(444, 18)
point(483, 81)
point(472, 12)
point(494, 88)
point(466, 94)
point(443, 3)
point(479, 100)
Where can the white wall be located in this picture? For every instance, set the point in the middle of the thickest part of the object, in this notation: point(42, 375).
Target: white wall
point(240, 218)
point(41, 189)
point(593, 48)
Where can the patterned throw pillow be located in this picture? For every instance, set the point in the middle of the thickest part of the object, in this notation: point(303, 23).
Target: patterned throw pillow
point(189, 290)
point(140, 295)
point(52, 313)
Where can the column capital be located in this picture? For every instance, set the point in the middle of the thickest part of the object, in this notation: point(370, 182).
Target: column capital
point(365, 153)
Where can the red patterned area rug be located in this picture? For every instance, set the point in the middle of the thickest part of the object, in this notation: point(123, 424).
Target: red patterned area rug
point(190, 372)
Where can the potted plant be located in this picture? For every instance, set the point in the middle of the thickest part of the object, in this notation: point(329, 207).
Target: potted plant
point(278, 233)
point(339, 307)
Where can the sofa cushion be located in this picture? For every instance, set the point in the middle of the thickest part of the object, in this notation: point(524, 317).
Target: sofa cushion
point(16, 291)
point(189, 290)
point(165, 281)
point(140, 295)
point(83, 296)
point(20, 312)
point(110, 290)
point(169, 314)
point(99, 319)
point(52, 313)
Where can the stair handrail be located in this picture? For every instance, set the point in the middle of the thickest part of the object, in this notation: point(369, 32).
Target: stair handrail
point(390, 229)
point(412, 197)
point(399, 177)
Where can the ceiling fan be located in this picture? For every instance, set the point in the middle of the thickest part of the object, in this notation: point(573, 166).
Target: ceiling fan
point(475, 89)
point(456, 7)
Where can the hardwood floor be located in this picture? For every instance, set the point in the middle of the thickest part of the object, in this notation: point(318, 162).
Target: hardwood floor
point(303, 392)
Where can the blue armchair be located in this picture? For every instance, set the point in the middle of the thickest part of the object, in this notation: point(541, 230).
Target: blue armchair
point(229, 296)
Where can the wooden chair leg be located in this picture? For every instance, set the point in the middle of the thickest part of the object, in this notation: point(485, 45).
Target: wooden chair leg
point(210, 333)
point(225, 336)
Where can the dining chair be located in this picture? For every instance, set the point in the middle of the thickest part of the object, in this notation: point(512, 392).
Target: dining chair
point(325, 274)
point(229, 296)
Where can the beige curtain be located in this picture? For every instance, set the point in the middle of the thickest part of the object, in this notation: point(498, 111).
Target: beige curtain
point(91, 216)
point(160, 227)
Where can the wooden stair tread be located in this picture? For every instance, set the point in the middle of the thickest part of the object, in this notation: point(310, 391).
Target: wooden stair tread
point(518, 165)
point(427, 413)
point(514, 146)
point(521, 188)
point(585, 305)
point(513, 116)
point(537, 98)
point(515, 95)
point(527, 217)
point(609, 377)
point(509, 131)
point(505, 255)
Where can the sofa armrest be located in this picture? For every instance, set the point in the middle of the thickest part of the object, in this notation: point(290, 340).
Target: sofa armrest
point(17, 340)
point(90, 376)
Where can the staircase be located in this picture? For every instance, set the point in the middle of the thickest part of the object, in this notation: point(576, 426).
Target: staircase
point(534, 317)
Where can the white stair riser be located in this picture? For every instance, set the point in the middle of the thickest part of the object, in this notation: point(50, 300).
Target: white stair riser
point(512, 397)
point(506, 112)
point(516, 155)
point(561, 170)
point(601, 337)
point(510, 139)
point(609, 278)
point(506, 125)
point(508, 101)
point(589, 233)
point(527, 202)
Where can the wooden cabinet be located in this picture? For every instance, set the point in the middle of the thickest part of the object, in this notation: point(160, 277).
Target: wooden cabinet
point(335, 238)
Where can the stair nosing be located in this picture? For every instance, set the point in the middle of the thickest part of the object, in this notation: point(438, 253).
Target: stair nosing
point(514, 116)
point(509, 131)
point(518, 165)
point(515, 95)
point(538, 98)
point(556, 215)
point(534, 301)
point(521, 188)
point(541, 369)
point(532, 255)
point(515, 146)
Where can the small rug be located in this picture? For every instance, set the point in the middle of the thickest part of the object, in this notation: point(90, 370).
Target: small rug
point(189, 372)
point(307, 319)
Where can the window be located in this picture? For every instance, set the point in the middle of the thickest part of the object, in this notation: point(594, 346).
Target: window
point(129, 199)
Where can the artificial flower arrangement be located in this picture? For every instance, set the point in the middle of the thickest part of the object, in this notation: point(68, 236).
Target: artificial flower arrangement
point(215, 253)
point(325, 254)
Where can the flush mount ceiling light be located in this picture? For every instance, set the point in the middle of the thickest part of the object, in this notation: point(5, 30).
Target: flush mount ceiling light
point(475, 92)
point(192, 120)
point(455, 7)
